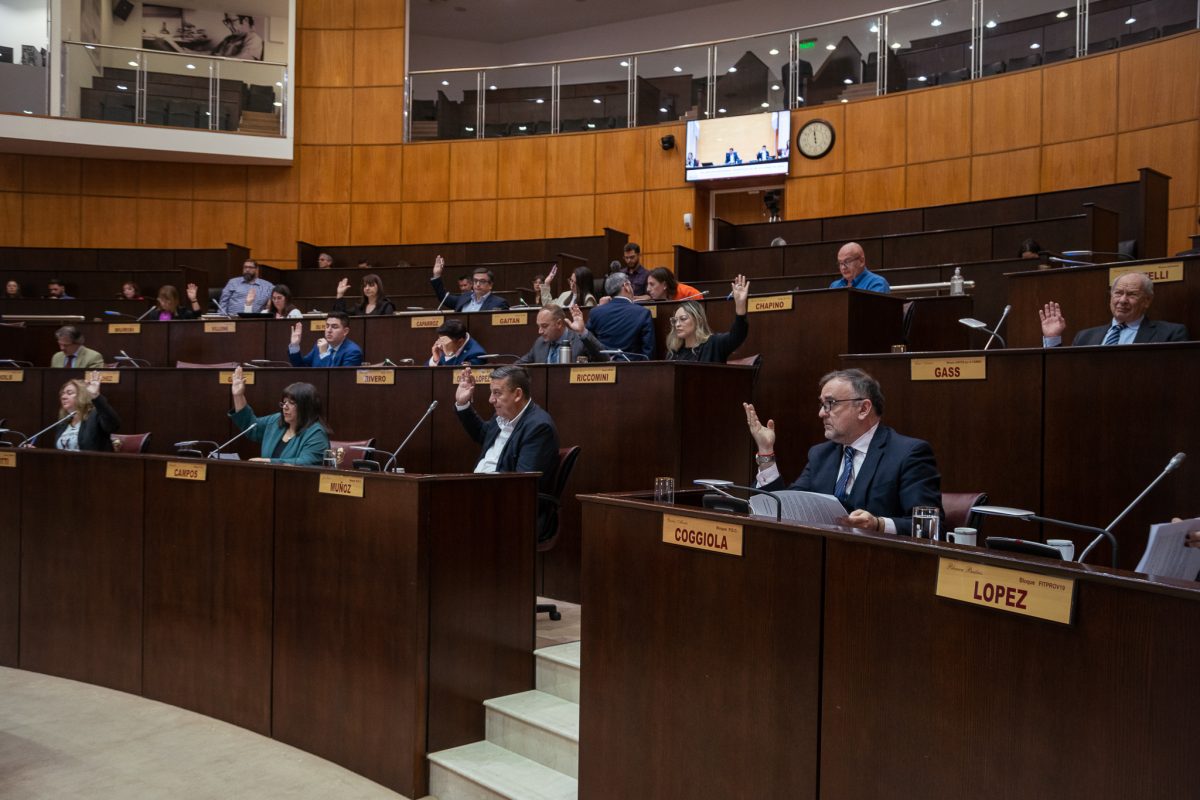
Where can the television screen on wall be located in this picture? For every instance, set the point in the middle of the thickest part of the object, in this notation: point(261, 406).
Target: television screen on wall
point(738, 147)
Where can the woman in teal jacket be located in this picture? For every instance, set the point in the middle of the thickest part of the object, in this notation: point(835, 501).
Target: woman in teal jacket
point(294, 435)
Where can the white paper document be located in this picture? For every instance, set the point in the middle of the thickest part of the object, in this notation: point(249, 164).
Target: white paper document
point(811, 508)
point(1166, 556)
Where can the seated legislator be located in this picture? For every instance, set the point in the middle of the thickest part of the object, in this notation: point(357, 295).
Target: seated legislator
point(866, 465)
point(1129, 299)
point(852, 263)
point(12, 290)
point(86, 420)
point(554, 329)
point(57, 290)
point(520, 437)
point(281, 306)
point(295, 434)
point(248, 294)
point(663, 286)
point(574, 296)
point(334, 349)
point(167, 306)
point(130, 291)
point(454, 346)
point(373, 301)
point(480, 298)
point(621, 324)
point(71, 352)
point(691, 339)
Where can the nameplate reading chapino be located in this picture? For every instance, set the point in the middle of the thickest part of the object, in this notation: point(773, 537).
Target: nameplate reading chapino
point(109, 375)
point(225, 377)
point(778, 302)
point(12, 375)
point(341, 484)
point(702, 534)
point(1027, 593)
point(1171, 272)
point(482, 375)
point(316, 325)
point(8, 458)
point(949, 369)
point(187, 470)
point(593, 375)
point(375, 377)
point(428, 321)
point(220, 327)
point(505, 318)
point(125, 327)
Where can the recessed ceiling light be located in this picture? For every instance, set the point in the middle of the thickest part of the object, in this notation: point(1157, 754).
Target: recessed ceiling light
point(935, 23)
point(122, 87)
point(847, 81)
point(469, 129)
point(874, 28)
point(774, 51)
point(766, 105)
point(844, 100)
point(991, 23)
point(445, 83)
point(26, 111)
point(89, 47)
point(662, 110)
point(1062, 15)
point(492, 88)
point(895, 45)
point(1131, 20)
point(522, 128)
point(596, 100)
point(539, 101)
point(191, 66)
point(831, 46)
point(922, 78)
point(799, 99)
point(1034, 46)
point(591, 124)
point(277, 104)
point(677, 69)
point(774, 87)
point(133, 63)
point(624, 63)
point(733, 69)
point(720, 111)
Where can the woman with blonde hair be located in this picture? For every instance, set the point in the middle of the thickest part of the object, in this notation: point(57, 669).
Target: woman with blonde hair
point(691, 338)
point(86, 420)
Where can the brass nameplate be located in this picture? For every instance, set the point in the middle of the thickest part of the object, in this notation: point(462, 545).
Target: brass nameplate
point(225, 377)
point(316, 325)
point(702, 534)
point(973, 368)
point(482, 375)
point(777, 302)
point(1027, 593)
point(344, 485)
point(125, 327)
point(220, 327)
point(506, 318)
point(187, 470)
point(12, 375)
point(1171, 272)
point(375, 377)
point(428, 321)
point(653, 311)
point(109, 375)
point(8, 458)
point(593, 375)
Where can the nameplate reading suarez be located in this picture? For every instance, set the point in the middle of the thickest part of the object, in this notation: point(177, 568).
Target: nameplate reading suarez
point(225, 377)
point(482, 375)
point(375, 377)
point(593, 375)
point(187, 470)
point(1171, 272)
point(12, 376)
point(8, 458)
point(779, 302)
point(220, 327)
point(1027, 593)
point(340, 484)
point(428, 321)
point(125, 327)
point(702, 534)
point(507, 318)
point(949, 369)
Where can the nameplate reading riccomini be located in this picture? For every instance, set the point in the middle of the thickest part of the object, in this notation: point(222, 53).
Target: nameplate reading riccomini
point(973, 368)
point(339, 484)
point(1171, 272)
point(187, 470)
point(428, 321)
point(8, 458)
point(778, 302)
point(702, 534)
point(375, 377)
point(510, 318)
point(125, 327)
point(220, 327)
point(1027, 593)
point(593, 374)
point(482, 375)
point(225, 377)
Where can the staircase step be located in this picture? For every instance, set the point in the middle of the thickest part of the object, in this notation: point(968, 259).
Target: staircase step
point(539, 726)
point(557, 671)
point(484, 771)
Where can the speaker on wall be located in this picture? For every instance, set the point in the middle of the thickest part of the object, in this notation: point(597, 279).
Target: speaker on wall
point(122, 9)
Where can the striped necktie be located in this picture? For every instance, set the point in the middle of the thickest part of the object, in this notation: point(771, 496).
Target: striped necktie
point(839, 491)
point(1114, 334)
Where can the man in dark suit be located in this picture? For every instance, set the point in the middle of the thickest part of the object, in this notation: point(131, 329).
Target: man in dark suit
point(1129, 299)
point(480, 298)
point(621, 324)
point(869, 467)
point(554, 329)
point(334, 349)
point(732, 157)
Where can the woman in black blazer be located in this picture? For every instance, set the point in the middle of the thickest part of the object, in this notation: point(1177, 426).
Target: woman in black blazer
point(374, 301)
point(87, 421)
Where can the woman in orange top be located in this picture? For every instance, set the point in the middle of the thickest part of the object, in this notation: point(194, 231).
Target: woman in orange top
point(663, 285)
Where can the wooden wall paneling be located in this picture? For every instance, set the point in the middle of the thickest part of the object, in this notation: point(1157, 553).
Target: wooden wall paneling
point(109, 222)
point(938, 183)
point(521, 167)
point(377, 173)
point(165, 179)
point(323, 14)
point(51, 175)
point(472, 221)
point(1182, 224)
point(936, 122)
point(622, 212)
point(327, 223)
point(519, 219)
point(219, 182)
point(1070, 165)
point(1170, 149)
point(378, 14)
point(1064, 117)
point(51, 220)
point(570, 216)
point(325, 175)
point(819, 196)
point(384, 124)
point(215, 223)
point(425, 222)
point(875, 133)
point(570, 166)
point(621, 161)
point(271, 230)
point(162, 223)
point(10, 172)
point(375, 223)
point(11, 211)
point(273, 184)
point(664, 168)
point(835, 160)
point(1006, 112)
point(875, 190)
point(325, 115)
point(659, 260)
point(1005, 174)
point(473, 170)
point(1156, 85)
point(426, 172)
point(663, 228)
point(110, 178)
point(379, 57)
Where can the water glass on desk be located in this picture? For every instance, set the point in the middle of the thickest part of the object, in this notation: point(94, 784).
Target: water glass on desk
point(664, 490)
point(926, 523)
point(329, 459)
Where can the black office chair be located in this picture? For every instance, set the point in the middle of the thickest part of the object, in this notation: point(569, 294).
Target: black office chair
point(548, 523)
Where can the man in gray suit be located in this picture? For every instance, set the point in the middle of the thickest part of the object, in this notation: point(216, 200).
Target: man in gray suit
point(1129, 299)
point(554, 329)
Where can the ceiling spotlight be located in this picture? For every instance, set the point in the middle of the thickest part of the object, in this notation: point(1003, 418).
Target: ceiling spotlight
point(1034, 46)
point(922, 78)
point(733, 69)
point(991, 23)
point(89, 47)
point(799, 99)
point(1062, 15)
point(469, 129)
point(676, 69)
point(591, 124)
point(191, 66)
point(847, 81)
point(895, 45)
point(1131, 20)
point(936, 23)
point(492, 88)
point(720, 111)
point(766, 105)
point(133, 63)
point(774, 87)
point(831, 46)
point(26, 111)
point(539, 101)
point(774, 51)
point(662, 110)
point(445, 83)
point(874, 28)
point(522, 128)
point(844, 100)
point(624, 63)
point(122, 87)
point(596, 100)
point(279, 83)
point(277, 104)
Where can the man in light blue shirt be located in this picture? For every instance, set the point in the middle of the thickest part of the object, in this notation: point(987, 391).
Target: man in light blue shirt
point(236, 297)
point(852, 263)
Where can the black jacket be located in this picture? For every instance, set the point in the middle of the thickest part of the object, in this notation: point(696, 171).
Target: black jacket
point(95, 432)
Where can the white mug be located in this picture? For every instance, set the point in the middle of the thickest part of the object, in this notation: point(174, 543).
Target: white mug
point(1065, 546)
point(966, 536)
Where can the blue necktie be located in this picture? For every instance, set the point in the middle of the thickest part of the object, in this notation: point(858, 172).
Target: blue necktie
point(552, 356)
point(1114, 334)
point(839, 491)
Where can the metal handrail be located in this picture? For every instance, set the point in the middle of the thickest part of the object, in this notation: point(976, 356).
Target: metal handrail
point(171, 53)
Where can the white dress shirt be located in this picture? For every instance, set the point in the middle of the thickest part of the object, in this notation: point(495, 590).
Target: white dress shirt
point(492, 457)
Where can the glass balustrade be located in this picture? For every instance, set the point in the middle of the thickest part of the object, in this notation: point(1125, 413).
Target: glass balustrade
point(833, 63)
point(24, 66)
point(594, 94)
point(670, 85)
point(517, 100)
point(749, 75)
point(932, 45)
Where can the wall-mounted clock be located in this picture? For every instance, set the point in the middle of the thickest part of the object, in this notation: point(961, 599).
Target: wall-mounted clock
point(815, 139)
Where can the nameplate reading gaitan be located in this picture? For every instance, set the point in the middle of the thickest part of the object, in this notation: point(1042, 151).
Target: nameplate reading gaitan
point(225, 377)
point(702, 534)
point(316, 325)
point(187, 470)
point(507, 318)
point(125, 327)
point(593, 375)
point(1171, 272)
point(482, 375)
point(220, 327)
point(428, 321)
point(375, 377)
point(8, 458)
point(12, 375)
point(344, 485)
point(109, 375)
point(973, 368)
point(778, 302)
point(1027, 593)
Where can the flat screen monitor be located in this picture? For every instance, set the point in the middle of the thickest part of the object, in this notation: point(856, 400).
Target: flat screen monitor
point(738, 147)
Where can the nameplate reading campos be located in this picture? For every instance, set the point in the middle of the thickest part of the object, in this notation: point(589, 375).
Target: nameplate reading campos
point(225, 377)
point(187, 470)
point(340, 484)
point(1171, 272)
point(125, 327)
point(428, 321)
point(973, 368)
point(8, 458)
point(375, 377)
point(593, 375)
point(316, 325)
point(482, 375)
point(702, 534)
point(12, 376)
point(220, 327)
point(505, 318)
point(1027, 593)
point(779, 302)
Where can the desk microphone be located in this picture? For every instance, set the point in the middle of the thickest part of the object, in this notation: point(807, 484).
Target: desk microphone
point(216, 452)
point(147, 313)
point(388, 466)
point(15, 364)
point(1172, 465)
point(719, 486)
point(30, 440)
point(490, 356)
point(612, 354)
point(443, 301)
point(109, 313)
point(996, 331)
point(137, 362)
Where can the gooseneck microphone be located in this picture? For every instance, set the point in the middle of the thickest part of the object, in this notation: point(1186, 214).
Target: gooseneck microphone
point(719, 486)
point(147, 313)
point(1172, 465)
point(215, 452)
point(30, 440)
point(996, 331)
point(387, 467)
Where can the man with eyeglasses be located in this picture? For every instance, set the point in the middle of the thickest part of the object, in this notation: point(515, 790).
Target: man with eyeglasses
point(622, 324)
point(334, 349)
point(1129, 299)
point(852, 263)
point(480, 298)
point(878, 475)
point(243, 41)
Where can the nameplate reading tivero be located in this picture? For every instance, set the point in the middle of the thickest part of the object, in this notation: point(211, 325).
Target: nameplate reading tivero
point(1027, 593)
point(702, 534)
point(375, 377)
point(187, 470)
point(340, 484)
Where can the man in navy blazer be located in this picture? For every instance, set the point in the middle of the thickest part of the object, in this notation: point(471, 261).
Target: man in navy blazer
point(334, 349)
point(870, 468)
point(621, 324)
point(1129, 299)
point(520, 437)
point(480, 298)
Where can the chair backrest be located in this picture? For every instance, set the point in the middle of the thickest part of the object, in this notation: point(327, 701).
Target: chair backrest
point(130, 442)
point(957, 507)
point(548, 534)
point(748, 361)
point(345, 455)
point(217, 365)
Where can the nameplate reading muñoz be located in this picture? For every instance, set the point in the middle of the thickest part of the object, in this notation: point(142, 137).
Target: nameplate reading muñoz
point(593, 375)
point(8, 458)
point(225, 377)
point(375, 377)
point(506, 318)
point(428, 321)
point(12, 375)
point(187, 470)
point(778, 302)
point(1027, 593)
point(973, 368)
point(483, 375)
point(220, 327)
point(702, 534)
point(341, 484)
point(125, 327)
point(316, 325)
point(1171, 272)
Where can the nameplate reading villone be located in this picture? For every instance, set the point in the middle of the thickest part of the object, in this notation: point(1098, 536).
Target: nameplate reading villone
point(702, 534)
point(1017, 592)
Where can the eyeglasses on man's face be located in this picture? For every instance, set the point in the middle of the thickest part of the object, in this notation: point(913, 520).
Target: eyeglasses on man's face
point(828, 404)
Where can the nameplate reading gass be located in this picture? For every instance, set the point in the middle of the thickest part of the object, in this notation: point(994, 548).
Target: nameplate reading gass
point(593, 375)
point(1027, 593)
point(109, 375)
point(481, 374)
point(8, 458)
point(1171, 272)
point(428, 321)
point(778, 302)
point(702, 534)
point(316, 325)
point(125, 327)
point(509, 319)
point(344, 485)
point(12, 375)
point(220, 327)
point(187, 470)
point(949, 369)
point(225, 377)
point(375, 377)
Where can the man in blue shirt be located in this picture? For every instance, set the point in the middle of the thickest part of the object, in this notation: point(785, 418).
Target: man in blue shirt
point(247, 291)
point(621, 324)
point(334, 349)
point(852, 263)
